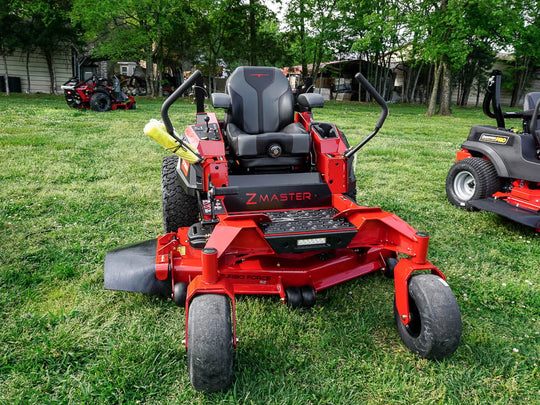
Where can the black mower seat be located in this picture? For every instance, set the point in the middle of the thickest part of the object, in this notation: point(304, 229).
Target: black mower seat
point(260, 125)
point(529, 104)
point(530, 100)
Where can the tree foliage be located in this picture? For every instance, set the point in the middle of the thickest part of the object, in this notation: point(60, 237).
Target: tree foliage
point(526, 44)
point(442, 44)
point(36, 24)
point(9, 38)
point(132, 29)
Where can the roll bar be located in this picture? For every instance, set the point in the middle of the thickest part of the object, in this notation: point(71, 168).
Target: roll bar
point(382, 117)
point(197, 75)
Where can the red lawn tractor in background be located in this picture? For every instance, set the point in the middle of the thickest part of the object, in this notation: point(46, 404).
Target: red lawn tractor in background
point(498, 168)
point(264, 202)
point(97, 94)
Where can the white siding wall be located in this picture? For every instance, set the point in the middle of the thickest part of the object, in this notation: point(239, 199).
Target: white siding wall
point(39, 73)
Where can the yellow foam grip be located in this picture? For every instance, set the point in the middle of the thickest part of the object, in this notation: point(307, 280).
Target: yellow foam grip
point(157, 131)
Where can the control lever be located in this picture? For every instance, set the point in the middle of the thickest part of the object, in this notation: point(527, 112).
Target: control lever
point(212, 198)
point(212, 193)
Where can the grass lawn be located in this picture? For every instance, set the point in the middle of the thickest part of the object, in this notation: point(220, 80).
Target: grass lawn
point(74, 184)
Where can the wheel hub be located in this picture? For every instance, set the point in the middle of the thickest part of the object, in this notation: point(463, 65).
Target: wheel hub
point(464, 185)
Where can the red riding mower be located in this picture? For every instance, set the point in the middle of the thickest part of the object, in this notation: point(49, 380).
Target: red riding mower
point(97, 94)
point(498, 169)
point(264, 203)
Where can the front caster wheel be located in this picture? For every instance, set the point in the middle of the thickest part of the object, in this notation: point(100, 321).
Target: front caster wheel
point(390, 265)
point(209, 353)
point(179, 294)
point(309, 296)
point(434, 330)
point(293, 297)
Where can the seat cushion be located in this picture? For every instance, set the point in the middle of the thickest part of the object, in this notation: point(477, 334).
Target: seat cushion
point(293, 140)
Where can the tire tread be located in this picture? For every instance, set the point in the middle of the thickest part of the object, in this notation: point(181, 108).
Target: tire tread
point(179, 208)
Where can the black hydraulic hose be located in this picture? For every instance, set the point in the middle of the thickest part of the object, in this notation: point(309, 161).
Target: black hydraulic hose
point(382, 117)
point(486, 105)
point(172, 98)
point(492, 99)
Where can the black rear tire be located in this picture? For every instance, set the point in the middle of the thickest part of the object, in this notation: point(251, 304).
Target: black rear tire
point(100, 102)
point(434, 330)
point(179, 208)
point(471, 179)
point(209, 353)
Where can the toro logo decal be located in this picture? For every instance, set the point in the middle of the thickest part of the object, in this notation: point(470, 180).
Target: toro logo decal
point(259, 75)
point(185, 167)
point(500, 139)
point(256, 198)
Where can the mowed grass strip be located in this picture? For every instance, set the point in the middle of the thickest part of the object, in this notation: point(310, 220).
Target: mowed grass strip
point(75, 183)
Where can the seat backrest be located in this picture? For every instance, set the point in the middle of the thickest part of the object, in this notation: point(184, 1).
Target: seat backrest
point(261, 99)
point(528, 104)
point(530, 100)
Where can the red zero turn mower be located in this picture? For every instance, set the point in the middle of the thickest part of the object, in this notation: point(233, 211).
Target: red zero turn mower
point(498, 169)
point(264, 203)
point(96, 94)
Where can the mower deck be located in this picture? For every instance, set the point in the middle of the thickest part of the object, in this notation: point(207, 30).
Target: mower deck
point(505, 209)
point(521, 204)
point(326, 242)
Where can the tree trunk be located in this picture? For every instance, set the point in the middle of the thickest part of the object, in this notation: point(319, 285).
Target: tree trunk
point(52, 73)
point(360, 70)
point(433, 99)
point(28, 71)
point(159, 66)
point(459, 93)
point(524, 78)
point(158, 82)
point(407, 79)
point(149, 76)
point(6, 79)
point(303, 60)
point(384, 77)
point(252, 34)
point(446, 91)
point(521, 78)
point(428, 83)
point(413, 90)
point(478, 89)
point(465, 95)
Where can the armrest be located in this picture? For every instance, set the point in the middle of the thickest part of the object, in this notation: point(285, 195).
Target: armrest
point(311, 100)
point(221, 100)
